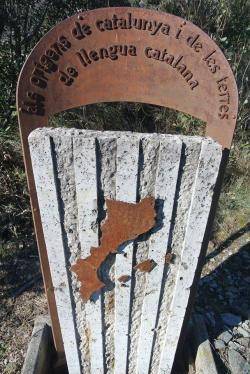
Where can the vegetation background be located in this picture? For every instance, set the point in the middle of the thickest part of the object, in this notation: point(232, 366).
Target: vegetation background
point(24, 22)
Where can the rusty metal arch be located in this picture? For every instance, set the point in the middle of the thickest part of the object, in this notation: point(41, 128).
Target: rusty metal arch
point(123, 54)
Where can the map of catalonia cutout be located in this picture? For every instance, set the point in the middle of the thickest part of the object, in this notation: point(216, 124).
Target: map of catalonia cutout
point(124, 222)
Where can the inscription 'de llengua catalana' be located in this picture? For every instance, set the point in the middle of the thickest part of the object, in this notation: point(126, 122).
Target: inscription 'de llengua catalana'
point(48, 62)
point(115, 51)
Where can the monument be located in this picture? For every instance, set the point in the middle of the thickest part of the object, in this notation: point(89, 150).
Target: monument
point(122, 219)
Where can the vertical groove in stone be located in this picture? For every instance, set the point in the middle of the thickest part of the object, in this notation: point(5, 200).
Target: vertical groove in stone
point(62, 155)
point(66, 175)
point(126, 190)
point(148, 164)
point(106, 187)
point(81, 319)
point(164, 192)
point(86, 197)
point(54, 216)
point(187, 177)
point(201, 198)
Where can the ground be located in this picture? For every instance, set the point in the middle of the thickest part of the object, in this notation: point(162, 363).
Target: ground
point(22, 299)
point(222, 299)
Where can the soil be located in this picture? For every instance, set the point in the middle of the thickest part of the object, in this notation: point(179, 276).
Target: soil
point(22, 300)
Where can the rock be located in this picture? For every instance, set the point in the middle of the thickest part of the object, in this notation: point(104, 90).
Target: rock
point(233, 345)
point(226, 336)
point(240, 348)
point(38, 356)
point(245, 342)
point(204, 361)
point(219, 344)
point(243, 332)
point(230, 319)
point(246, 325)
point(237, 363)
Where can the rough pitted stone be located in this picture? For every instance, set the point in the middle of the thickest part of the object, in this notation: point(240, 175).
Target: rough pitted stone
point(244, 342)
point(38, 359)
point(238, 363)
point(219, 344)
point(127, 326)
point(243, 332)
point(246, 325)
point(226, 336)
point(204, 361)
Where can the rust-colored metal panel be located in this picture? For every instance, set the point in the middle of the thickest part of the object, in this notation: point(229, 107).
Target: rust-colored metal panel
point(125, 221)
point(122, 54)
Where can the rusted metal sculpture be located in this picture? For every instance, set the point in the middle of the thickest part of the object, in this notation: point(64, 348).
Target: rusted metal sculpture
point(125, 221)
point(122, 54)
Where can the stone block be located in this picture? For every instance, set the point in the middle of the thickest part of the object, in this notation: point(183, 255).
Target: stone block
point(132, 325)
point(38, 359)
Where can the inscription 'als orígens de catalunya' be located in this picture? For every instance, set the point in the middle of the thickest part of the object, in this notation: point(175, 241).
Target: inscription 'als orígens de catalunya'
point(49, 60)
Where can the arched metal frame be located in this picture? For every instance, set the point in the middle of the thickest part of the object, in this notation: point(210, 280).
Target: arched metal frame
point(122, 54)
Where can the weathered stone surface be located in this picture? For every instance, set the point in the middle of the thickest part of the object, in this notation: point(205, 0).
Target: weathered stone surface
point(204, 361)
point(243, 332)
point(246, 325)
point(244, 342)
point(219, 344)
point(237, 363)
point(227, 270)
point(52, 214)
point(38, 358)
point(226, 336)
point(130, 326)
